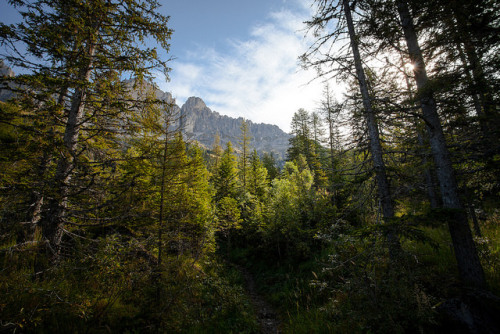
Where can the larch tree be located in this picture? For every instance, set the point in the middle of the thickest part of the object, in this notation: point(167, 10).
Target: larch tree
point(257, 177)
point(76, 54)
point(226, 182)
point(225, 178)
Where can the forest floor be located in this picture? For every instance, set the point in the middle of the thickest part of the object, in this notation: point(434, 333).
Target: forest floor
point(267, 317)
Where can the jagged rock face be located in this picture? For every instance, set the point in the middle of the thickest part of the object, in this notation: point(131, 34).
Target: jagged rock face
point(202, 124)
point(199, 123)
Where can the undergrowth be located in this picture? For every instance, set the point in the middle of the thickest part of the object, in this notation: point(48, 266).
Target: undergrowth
point(111, 291)
point(353, 287)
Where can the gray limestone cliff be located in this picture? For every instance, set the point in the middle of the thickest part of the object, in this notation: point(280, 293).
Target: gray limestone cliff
point(202, 124)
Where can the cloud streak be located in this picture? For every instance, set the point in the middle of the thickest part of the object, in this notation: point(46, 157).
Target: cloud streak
point(258, 78)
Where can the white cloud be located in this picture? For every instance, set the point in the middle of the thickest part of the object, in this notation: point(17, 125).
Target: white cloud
point(259, 78)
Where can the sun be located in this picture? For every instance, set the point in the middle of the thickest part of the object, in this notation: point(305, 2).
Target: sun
point(410, 66)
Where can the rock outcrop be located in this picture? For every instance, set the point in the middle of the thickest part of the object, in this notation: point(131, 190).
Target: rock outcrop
point(202, 124)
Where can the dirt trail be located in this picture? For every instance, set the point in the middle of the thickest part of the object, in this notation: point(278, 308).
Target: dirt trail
point(267, 316)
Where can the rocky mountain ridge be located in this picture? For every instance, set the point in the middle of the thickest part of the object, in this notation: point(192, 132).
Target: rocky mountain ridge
point(200, 123)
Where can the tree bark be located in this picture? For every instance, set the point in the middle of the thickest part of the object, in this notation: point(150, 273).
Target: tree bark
point(373, 134)
point(469, 266)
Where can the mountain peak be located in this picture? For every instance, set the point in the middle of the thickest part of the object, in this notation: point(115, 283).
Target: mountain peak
point(194, 103)
point(200, 123)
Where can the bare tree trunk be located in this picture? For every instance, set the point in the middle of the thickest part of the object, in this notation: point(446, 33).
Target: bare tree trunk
point(475, 97)
point(482, 93)
point(331, 139)
point(39, 194)
point(475, 221)
point(469, 266)
point(373, 134)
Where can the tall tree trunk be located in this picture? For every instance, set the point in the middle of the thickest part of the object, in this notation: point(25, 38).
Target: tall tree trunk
point(53, 224)
point(475, 97)
point(373, 134)
point(429, 181)
point(329, 110)
point(157, 276)
point(469, 266)
point(479, 90)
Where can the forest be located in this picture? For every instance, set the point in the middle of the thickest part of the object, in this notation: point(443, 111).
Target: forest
point(384, 218)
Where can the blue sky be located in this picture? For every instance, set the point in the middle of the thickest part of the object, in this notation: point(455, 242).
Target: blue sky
point(239, 56)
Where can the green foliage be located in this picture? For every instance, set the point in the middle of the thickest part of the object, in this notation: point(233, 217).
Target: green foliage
point(225, 178)
point(305, 143)
point(257, 177)
point(228, 214)
point(109, 289)
point(147, 226)
point(270, 163)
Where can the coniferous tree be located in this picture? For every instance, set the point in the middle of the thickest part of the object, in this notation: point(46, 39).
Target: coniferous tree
point(217, 153)
point(330, 110)
point(227, 195)
point(225, 177)
point(469, 265)
point(270, 163)
point(257, 177)
point(77, 54)
point(244, 143)
point(341, 12)
point(305, 129)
